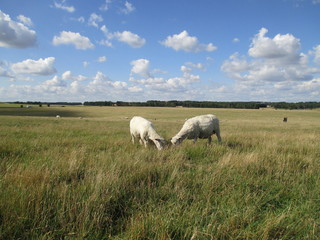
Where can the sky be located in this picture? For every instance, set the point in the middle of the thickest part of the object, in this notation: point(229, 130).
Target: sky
point(139, 50)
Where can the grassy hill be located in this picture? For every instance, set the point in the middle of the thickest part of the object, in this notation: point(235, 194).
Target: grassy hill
point(80, 177)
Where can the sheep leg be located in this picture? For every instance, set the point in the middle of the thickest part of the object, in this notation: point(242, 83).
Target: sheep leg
point(195, 140)
point(209, 140)
point(145, 142)
point(132, 138)
point(218, 136)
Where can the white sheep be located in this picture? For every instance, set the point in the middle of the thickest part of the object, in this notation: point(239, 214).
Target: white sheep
point(198, 127)
point(143, 129)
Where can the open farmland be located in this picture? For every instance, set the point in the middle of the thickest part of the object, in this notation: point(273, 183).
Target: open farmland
point(80, 177)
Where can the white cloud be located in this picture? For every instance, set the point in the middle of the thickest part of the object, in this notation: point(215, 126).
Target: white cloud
point(283, 47)
point(85, 64)
point(159, 71)
point(160, 84)
point(102, 84)
point(14, 34)
point(80, 42)
point(67, 76)
point(106, 43)
point(105, 30)
point(183, 41)
point(273, 66)
point(141, 67)
point(70, 87)
point(235, 40)
point(135, 89)
point(196, 65)
point(55, 82)
point(81, 19)
point(102, 59)
point(3, 70)
point(64, 7)
point(25, 20)
point(105, 6)
point(94, 19)
point(312, 86)
point(235, 66)
point(317, 54)
point(129, 38)
point(40, 67)
point(5, 73)
point(128, 8)
point(185, 69)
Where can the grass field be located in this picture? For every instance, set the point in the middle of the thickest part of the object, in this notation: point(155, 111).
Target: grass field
point(80, 177)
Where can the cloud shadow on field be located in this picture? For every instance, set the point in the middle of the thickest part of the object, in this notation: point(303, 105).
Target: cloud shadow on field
point(39, 112)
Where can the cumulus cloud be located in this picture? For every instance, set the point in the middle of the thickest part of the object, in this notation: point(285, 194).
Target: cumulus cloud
point(235, 40)
point(68, 76)
point(141, 67)
point(80, 42)
point(235, 66)
point(128, 8)
point(106, 43)
point(132, 39)
point(183, 41)
point(70, 87)
point(4, 70)
point(94, 19)
point(102, 59)
point(129, 38)
point(161, 84)
point(317, 54)
point(25, 20)
point(135, 89)
point(80, 19)
point(5, 73)
point(196, 66)
point(103, 84)
point(85, 64)
point(64, 7)
point(273, 65)
point(105, 5)
point(15, 34)
point(284, 47)
point(174, 84)
point(38, 67)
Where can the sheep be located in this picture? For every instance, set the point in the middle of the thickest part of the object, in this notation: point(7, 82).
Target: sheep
point(198, 127)
point(143, 129)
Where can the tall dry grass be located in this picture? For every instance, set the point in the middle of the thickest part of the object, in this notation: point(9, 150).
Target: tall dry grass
point(74, 178)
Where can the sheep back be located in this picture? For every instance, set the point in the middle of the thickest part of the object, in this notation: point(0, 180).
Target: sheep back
point(198, 127)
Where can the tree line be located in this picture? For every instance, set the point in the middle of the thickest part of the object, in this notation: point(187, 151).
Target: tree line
point(46, 103)
point(209, 104)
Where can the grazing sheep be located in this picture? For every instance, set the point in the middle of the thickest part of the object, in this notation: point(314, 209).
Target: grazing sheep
point(143, 129)
point(198, 127)
point(58, 116)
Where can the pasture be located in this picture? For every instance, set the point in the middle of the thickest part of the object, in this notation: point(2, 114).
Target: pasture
point(80, 177)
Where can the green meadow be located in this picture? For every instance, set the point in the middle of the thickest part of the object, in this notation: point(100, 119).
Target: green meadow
point(80, 177)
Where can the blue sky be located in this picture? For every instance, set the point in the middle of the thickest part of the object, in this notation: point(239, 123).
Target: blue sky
point(138, 50)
